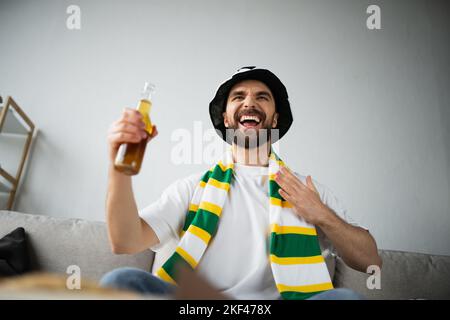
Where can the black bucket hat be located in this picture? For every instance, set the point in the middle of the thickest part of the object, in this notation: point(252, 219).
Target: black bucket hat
point(218, 105)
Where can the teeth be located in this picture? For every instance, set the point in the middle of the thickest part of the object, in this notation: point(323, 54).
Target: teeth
point(255, 118)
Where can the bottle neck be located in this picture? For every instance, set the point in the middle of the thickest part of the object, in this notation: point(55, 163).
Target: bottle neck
point(147, 91)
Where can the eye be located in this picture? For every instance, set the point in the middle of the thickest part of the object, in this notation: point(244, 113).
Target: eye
point(237, 98)
point(263, 98)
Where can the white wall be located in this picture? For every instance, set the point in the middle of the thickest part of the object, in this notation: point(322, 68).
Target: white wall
point(371, 108)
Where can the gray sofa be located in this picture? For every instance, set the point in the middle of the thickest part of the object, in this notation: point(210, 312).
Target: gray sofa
point(55, 244)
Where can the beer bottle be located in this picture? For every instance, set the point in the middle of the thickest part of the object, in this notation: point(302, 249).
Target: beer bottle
point(130, 155)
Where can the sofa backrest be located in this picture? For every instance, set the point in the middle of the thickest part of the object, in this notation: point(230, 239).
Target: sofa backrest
point(404, 275)
point(55, 244)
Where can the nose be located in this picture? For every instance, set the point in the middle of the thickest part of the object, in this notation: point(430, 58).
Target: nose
point(249, 101)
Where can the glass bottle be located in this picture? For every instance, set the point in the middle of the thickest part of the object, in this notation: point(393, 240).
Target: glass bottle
point(130, 155)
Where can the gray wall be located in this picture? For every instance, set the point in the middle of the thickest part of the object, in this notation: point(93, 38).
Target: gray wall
point(371, 108)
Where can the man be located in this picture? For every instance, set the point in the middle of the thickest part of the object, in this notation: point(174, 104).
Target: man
point(250, 226)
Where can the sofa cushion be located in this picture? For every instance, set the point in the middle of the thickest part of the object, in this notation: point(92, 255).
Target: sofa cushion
point(404, 275)
point(55, 244)
point(14, 258)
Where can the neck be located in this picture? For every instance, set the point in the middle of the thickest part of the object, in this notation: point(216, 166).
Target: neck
point(252, 157)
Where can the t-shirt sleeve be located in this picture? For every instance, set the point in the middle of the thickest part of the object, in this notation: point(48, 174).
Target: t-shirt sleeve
point(167, 214)
point(335, 204)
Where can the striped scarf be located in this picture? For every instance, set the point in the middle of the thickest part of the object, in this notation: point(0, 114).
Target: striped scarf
point(297, 264)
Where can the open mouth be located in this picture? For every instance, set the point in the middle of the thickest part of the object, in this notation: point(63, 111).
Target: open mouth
point(250, 121)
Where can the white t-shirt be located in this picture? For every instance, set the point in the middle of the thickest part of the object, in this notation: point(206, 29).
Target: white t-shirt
point(236, 260)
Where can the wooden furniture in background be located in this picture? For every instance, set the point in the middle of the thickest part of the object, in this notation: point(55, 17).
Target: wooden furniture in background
point(13, 123)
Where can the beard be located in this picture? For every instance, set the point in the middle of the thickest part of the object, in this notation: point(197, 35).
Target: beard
point(250, 137)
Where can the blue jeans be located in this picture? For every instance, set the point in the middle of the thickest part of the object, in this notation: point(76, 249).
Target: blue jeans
point(144, 282)
point(136, 280)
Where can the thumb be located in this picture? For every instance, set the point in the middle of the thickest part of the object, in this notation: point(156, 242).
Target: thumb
point(310, 184)
point(153, 134)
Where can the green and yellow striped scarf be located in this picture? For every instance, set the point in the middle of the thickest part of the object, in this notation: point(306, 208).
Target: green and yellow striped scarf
point(295, 257)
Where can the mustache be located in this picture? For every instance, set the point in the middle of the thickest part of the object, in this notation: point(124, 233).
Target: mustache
point(252, 112)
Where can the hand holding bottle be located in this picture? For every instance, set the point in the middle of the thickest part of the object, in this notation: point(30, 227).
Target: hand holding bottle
point(129, 128)
point(135, 129)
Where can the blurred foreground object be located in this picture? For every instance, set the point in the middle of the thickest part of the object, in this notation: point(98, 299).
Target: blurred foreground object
point(193, 287)
point(54, 287)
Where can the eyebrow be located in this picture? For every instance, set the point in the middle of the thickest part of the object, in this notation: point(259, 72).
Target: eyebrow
point(242, 93)
point(237, 93)
point(264, 93)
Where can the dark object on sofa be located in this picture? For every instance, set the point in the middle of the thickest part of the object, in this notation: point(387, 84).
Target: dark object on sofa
point(14, 258)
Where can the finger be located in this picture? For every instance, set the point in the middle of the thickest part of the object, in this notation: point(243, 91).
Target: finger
point(291, 178)
point(132, 115)
point(310, 184)
point(153, 135)
point(284, 183)
point(131, 120)
point(285, 172)
point(127, 127)
point(130, 112)
point(290, 175)
point(286, 196)
point(154, 132)
point(124, 137)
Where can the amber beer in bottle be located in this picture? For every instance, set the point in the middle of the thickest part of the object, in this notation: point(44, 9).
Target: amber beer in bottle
point(130, 155)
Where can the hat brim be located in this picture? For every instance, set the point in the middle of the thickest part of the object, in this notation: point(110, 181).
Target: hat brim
point(218, 105)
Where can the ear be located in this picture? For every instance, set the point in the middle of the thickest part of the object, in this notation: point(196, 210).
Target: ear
point(275, 120)
point(225, 119)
